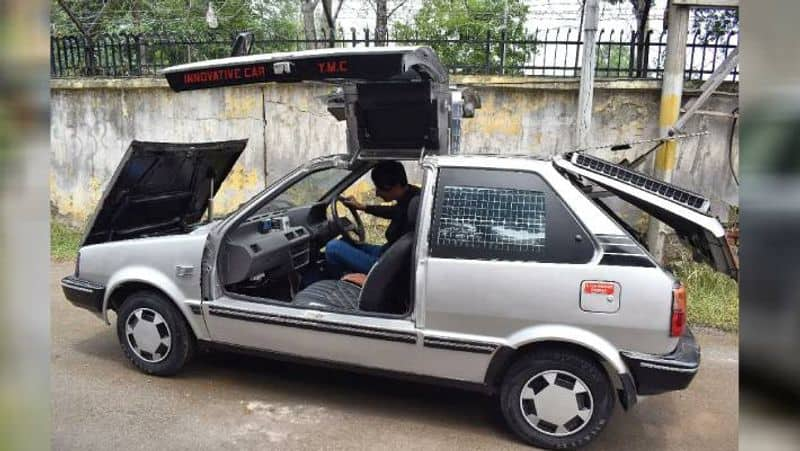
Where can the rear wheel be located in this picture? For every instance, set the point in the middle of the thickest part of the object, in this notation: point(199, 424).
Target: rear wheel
point(556, 399)
point(153, 334)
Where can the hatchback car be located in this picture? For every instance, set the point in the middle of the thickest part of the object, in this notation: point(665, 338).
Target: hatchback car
point(517, 280)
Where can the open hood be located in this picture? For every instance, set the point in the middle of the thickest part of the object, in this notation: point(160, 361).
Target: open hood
point(686, 212)
point(161, 188)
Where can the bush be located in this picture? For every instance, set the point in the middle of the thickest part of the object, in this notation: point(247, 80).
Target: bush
point(713, 297)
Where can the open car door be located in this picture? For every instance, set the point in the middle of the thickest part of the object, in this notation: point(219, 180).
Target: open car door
point(396, 101)
point(686, 212)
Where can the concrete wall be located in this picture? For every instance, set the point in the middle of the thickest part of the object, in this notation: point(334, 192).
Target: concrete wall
point(93, 121)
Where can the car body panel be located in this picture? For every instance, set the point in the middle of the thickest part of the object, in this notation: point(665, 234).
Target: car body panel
point(703, 232)
point(500, 298)
point(329, 65)
point(151, 261)
point(375, 90)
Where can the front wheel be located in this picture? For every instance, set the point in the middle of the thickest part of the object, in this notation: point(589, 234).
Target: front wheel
point(556, 399)
point(153, 334)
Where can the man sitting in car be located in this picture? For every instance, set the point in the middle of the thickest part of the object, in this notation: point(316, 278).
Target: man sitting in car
point(355, 260)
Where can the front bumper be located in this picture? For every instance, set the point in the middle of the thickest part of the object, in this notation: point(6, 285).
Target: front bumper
point(654, 374)
point(83, 293)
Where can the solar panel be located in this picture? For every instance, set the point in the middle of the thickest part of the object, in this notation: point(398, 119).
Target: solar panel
point(501, 219)
point(633, 178)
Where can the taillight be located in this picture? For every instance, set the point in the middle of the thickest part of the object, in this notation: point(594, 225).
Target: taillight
point(678, 320)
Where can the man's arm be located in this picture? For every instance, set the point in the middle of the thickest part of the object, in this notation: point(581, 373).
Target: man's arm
point(381, 211)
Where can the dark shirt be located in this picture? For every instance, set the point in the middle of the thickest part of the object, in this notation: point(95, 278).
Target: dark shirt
point(397, 213)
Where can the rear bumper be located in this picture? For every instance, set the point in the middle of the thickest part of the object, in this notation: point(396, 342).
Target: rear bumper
point(654, 374)
point(83, 293)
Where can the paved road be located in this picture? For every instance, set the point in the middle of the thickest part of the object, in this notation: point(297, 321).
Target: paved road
point(225, 401)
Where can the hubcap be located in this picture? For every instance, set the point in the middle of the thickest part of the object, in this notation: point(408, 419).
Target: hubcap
point(148, 335)
point(556, 403)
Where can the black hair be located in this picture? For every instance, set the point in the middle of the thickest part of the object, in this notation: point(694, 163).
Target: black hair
point(387, 174)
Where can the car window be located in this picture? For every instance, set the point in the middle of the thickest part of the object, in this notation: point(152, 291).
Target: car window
point(489, 214)
point(307, 190)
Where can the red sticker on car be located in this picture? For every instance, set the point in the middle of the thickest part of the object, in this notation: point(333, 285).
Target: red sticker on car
point(598, 288)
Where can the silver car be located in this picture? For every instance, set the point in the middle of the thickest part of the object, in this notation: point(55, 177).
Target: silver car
point(518, 279)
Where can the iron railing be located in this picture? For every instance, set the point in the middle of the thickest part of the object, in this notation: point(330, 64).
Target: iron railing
point(548, 53)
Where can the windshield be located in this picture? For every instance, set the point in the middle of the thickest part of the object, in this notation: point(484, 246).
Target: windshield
point(308, 190)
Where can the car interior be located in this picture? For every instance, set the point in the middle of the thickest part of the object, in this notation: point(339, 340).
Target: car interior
point(277, 253)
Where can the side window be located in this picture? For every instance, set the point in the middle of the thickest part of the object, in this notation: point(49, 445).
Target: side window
point(487, 214)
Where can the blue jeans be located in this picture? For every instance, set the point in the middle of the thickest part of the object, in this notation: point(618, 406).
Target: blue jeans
point(342, 257)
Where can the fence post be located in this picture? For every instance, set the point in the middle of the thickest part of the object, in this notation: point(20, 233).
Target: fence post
point(632, 57)
point(642, 69)
point(488, 63)
point(503, 52)
point(366, 37)
point(52, 57)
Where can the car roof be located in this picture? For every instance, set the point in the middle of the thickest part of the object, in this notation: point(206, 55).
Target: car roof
point(499, 161)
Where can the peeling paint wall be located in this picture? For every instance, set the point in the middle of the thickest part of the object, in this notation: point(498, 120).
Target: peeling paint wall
point(93, 121)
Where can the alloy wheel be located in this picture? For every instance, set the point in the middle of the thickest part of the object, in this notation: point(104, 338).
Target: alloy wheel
point(556, 403)
point(148, 335)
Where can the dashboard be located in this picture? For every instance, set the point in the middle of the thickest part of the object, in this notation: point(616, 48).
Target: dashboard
point(274, 243)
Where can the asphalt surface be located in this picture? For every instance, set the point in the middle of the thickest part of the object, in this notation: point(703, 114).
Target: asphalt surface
point(227, 401)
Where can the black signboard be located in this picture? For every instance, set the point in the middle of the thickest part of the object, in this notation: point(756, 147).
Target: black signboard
point(272, 68)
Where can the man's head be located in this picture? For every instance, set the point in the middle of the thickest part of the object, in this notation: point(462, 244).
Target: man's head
point(390, 180)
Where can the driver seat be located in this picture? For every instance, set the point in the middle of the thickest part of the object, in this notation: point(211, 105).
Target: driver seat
point(388, 285)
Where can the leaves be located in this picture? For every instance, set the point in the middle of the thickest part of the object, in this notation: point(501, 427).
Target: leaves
point(186, 17)
point(711, 24)
point(469, 22)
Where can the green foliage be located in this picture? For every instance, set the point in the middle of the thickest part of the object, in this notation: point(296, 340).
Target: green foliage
point(64, 241)
point(614, 60)
point(469, 20)
point(711, 24)
point(713, 297)
point(185, 17)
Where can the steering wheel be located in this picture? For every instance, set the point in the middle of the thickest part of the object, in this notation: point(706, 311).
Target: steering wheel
point(354, 233)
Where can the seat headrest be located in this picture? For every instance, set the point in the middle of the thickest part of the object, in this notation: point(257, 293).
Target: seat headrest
point(413, 210)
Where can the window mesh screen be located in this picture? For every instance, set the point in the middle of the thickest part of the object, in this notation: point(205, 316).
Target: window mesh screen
point(500, 219)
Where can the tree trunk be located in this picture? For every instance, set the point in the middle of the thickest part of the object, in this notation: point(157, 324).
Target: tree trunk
point(381, 23)
point(309, 28)
point(641, 8)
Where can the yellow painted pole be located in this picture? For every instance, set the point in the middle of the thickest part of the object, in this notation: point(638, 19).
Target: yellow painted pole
point(671, 94)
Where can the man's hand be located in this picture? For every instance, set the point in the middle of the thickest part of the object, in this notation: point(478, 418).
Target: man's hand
point(355, 278)
point(351, 202)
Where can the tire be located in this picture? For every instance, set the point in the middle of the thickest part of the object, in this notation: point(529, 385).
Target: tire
point(546, 377)
point(165, 342)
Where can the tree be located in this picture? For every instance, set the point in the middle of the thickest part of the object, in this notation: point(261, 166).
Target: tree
point(327, 22)
point(641, 9)
point(712, 23)
point(470, 21)
point(274, 17)
point(382, 15)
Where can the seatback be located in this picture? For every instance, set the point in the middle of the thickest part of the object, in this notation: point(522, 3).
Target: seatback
point(387, 287)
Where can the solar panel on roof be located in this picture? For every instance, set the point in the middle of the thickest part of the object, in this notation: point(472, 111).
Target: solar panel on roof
point(633, 178)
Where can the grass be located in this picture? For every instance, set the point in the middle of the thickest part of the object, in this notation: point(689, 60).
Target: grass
point(713, 297)
point(64, 241)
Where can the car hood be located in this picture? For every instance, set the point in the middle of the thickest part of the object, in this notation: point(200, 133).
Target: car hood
point(686, 212)
point(161, 188)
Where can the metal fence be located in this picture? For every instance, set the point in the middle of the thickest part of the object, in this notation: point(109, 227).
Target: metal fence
point(548, 53)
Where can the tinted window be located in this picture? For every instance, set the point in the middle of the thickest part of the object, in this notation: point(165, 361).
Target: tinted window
point(506, 215)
